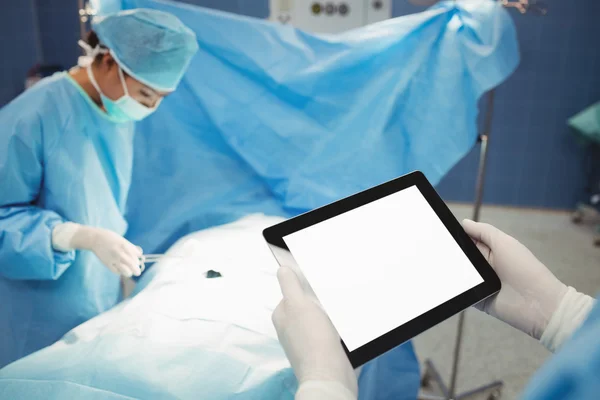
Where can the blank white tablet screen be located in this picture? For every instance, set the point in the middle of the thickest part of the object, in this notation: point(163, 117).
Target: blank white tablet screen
point(381, 265)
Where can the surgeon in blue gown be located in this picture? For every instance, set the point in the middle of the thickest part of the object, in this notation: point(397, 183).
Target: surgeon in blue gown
point(66, 152)
point(531, 300)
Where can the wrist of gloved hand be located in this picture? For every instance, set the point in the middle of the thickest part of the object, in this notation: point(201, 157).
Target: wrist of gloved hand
point(324, 390)
point(543, 300)
point(529, 304)
point(568, 317)
point(71, 236)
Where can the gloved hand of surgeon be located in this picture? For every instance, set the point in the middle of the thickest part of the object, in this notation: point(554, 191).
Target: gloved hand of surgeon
point(118, 254)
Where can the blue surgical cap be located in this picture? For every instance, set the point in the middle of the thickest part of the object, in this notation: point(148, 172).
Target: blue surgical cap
point(152, 46)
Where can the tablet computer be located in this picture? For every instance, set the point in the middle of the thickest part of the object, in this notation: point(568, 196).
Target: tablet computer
point(385, 264)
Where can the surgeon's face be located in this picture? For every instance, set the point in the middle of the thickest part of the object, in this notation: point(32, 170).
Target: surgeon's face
point(112, 87)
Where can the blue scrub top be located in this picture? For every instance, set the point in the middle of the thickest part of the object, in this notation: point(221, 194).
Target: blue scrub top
point(61, 159)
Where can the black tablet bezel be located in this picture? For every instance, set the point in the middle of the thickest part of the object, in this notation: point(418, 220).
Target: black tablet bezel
point(491, 283)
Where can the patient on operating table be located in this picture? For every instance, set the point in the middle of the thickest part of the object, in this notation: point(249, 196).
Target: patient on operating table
point(184, 331)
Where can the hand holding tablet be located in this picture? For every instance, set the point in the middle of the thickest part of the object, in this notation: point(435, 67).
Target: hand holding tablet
point(530, 293)
point(303, 328)
point(385, 264)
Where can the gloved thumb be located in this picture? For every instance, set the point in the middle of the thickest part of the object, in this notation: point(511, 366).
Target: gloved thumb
point(290, 284)
point(480, 232)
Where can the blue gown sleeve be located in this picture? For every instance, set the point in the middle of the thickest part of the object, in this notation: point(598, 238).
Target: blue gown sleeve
point(26, 250)
point(573, 372)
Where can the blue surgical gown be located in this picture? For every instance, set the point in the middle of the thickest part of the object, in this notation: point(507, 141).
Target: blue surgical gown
point(61, 160)
point(574, 372)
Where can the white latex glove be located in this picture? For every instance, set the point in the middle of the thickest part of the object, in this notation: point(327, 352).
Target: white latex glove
point(114, 251)
point(309, 339)
point(530, 293)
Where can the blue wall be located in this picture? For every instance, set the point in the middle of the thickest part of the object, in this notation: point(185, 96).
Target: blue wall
point(58, 21)
point(533, 159)
point(19, 48)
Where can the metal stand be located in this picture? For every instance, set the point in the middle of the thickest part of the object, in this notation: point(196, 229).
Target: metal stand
point(432, 377)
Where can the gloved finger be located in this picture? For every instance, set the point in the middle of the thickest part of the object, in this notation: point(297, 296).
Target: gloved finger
point(135, 258)
point(124, 270)
point(485, 251)
point(138, 259)
point(278, 316)
point(290, 284)
point(135, 251)
point(142, 260)
point(131, 263)
point(114, 268)
point(480, 231)
point(136, 268)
